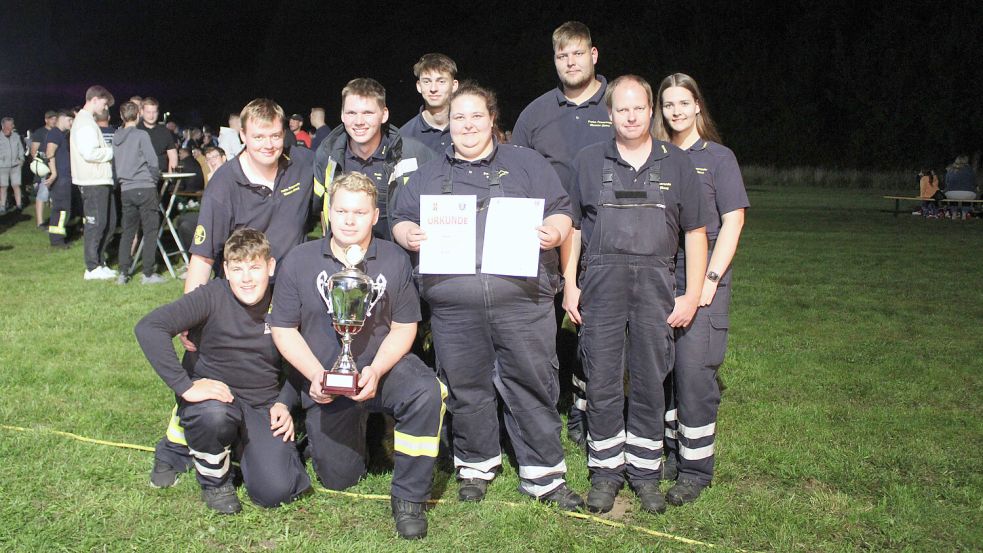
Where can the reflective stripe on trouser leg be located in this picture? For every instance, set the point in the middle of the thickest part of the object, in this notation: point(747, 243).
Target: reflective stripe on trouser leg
point(699, 352)
point(527, 378)
point(649, 358)
point(465, 360)
point(211, 428)
point(175, 432)
point(411, 394)
point(61, 205)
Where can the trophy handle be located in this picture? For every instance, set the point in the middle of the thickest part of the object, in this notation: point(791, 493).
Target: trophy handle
point(378, 289)
point(322, 281)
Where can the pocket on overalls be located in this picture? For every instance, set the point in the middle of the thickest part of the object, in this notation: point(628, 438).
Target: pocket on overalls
point(719, 323)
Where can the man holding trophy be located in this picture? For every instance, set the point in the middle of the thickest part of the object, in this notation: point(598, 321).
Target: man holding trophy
point(351, 288)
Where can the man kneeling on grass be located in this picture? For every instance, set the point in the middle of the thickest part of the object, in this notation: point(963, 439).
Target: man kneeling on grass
point(232, 397)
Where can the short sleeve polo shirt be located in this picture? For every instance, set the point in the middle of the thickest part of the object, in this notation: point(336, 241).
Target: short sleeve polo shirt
point(231, 202)
point(558, 129)
point(298, 304)
point(417, 128)
point(716, 167)
point(684, 201)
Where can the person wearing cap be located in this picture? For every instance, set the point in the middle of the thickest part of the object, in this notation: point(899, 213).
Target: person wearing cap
point(301, 137)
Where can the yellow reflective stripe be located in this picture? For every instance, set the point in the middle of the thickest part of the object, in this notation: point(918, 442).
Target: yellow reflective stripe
point(443, 405)
point(175, 432)
point(416, 446)
point(60, 227)
point(328, 178)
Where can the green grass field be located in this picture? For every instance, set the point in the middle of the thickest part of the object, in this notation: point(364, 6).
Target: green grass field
point(852, 419)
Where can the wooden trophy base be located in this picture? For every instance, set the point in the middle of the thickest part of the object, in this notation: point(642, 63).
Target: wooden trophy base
point(339, 384)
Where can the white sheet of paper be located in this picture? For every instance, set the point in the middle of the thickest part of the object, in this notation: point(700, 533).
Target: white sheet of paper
point(511, 240)
point(450, 224)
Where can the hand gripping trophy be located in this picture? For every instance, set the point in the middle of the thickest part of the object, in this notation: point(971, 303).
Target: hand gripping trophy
point(349, 296)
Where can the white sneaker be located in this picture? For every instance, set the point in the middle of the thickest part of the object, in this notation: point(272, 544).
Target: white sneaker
point(97, 274)
point(152, 279)
point(112, 273)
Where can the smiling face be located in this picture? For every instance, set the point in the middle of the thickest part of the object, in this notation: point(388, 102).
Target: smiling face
point(631, 112)
point(250, 278)
point(436, 88)
point(679, 109)
point(352, 216)
point(263, 141)
point(575, 63)
point(363, 118)
point(471, 127)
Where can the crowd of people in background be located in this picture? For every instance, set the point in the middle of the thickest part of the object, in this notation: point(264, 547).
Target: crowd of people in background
point(644, 208)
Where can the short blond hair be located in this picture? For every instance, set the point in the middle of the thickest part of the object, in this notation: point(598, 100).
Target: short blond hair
point(570, 31)
point(246, 244)
point(354, 182)
point(262, 109)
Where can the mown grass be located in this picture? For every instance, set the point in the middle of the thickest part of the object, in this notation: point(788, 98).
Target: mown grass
point(852, 417)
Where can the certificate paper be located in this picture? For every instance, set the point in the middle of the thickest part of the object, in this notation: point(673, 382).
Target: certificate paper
point(449, 222)
point(511, 241)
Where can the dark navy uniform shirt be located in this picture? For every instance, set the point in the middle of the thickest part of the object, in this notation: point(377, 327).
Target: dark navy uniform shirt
point(723, 185)
point(231, 202)
point(418, 128)
point(235, 347)
point(524, 174)
point(684, 201)
point(297, 303)
point(558, 129)
point(63, 161)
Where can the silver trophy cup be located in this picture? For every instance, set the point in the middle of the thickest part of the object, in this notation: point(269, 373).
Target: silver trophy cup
point(349, 296)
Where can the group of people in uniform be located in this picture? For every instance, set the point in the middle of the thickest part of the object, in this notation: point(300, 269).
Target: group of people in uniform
point(643, 210)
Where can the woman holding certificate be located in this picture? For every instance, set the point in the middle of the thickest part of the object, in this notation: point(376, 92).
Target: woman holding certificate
point(486, 219)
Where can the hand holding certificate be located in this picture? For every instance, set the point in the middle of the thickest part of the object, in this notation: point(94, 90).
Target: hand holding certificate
point(450, 225)
point(512, 243)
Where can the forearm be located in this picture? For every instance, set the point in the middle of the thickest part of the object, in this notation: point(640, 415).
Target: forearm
point(295, 350)
point(696, 260)
point(396, 344)
point(560, 222)
point(726, 246)
point(171, 159)
point(570, 257)
point(199, 271)
point(92, 147)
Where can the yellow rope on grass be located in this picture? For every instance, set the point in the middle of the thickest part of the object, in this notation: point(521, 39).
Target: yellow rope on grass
point(379, 497)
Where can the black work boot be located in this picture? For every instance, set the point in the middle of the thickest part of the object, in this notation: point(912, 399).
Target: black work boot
point(163, 475)
point(410, 517)
point(471, 489)
point(600, 499)
point(670, 469)
point(650, 496)
point(563, 497)
point(222, 499)
point(577, 427)
point(684, 491)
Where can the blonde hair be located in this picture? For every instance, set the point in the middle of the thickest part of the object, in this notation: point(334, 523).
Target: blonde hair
point(246, 244)
point(354, 182)
point(262, 109)
point(570, 31)
point(704, 123)
point(366, 88)
point(613, 85)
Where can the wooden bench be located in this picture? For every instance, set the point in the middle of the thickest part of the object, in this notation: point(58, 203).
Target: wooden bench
point(899, 199)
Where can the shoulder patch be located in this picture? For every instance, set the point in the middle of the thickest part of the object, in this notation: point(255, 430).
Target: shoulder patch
point(200, 235)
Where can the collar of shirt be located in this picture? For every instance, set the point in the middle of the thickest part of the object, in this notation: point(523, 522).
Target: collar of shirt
point(240, 176)
point(482, 162)
point(698, 145)
point(658, 152)
point(593, 100)
point(378, 155)
point(326, 250)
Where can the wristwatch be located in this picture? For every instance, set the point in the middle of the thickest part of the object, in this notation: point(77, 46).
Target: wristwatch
point(713, 277)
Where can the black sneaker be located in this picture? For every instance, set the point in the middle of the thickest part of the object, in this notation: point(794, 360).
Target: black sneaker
point(163, 475)
point(564, 498)
point(670, 468)
point(685, 491)
point(410, 517)
point(222, 499)
point(471, 489)
point(651, 496)
point(577, 427)
point(600, 499)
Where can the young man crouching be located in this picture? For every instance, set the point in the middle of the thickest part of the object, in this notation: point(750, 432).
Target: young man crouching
point(232, 397)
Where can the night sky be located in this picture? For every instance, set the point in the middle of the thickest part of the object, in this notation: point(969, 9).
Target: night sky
point(837, 83)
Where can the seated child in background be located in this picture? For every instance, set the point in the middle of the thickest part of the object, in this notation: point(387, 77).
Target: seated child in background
point(928, 183)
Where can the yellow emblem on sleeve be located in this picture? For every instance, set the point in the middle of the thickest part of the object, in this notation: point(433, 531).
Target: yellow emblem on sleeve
point(199, 235)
